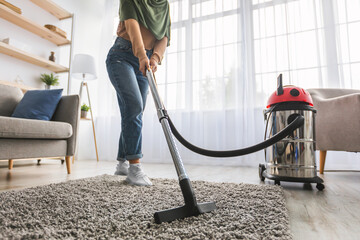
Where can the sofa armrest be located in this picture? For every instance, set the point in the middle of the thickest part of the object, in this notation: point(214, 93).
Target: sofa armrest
point(68, 110)
point(337, 122)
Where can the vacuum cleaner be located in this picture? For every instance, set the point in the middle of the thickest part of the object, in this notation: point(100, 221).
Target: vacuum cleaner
point(290, 122)
point(291, 159)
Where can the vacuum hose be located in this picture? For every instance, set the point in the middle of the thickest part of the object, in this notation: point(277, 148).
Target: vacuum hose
point(295, 124)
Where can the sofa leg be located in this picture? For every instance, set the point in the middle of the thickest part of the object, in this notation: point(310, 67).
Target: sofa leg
point(322, 161)
point(11, 164)
point(68, 164)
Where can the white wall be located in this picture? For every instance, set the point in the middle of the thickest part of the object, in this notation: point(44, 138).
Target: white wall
point(88, 20)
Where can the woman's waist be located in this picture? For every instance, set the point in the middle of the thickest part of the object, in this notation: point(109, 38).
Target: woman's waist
point(125, 45)
point(122, 42)
point(147, 37)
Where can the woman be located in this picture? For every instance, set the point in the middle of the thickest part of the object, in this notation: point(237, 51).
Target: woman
point(143, 35)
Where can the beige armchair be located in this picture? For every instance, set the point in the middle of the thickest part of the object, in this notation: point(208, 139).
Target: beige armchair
point(337, 125)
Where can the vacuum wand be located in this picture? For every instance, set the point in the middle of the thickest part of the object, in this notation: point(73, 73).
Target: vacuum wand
point(191, 207)
point(161, 112)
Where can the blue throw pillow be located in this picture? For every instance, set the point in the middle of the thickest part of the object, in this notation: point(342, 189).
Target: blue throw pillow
point(38, 104)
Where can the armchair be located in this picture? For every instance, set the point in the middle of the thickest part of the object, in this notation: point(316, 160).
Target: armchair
point(337, 121)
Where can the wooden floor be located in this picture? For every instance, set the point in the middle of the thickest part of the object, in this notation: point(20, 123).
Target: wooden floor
point(331, 214)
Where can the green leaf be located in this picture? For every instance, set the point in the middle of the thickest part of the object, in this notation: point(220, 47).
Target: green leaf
point(85, 107)
point(51, 80)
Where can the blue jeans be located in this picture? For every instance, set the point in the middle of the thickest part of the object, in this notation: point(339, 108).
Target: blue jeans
point(132, 89)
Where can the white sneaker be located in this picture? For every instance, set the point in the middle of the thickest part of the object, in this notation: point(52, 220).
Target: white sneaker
point(137, 177)
point(122, 168)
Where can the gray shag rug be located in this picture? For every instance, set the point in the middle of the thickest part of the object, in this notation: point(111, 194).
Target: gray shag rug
point(106, 207)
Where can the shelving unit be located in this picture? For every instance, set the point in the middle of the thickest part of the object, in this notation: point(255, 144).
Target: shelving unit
point(41, 31)
point(53, 8)
point(31, 26)
point(31, 58)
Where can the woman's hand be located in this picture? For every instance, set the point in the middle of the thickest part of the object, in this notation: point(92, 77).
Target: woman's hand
point(153, 64)
point(144, 65)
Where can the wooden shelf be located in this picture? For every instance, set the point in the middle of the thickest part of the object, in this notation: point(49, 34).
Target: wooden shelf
point(53, 8)
point(31, 58)
point(31, 26)
point(88, 119)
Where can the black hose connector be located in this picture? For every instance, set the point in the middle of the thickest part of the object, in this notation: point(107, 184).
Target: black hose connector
point(295, 124)
point(164, 115)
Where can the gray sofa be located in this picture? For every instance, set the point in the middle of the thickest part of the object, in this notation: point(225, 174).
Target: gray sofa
point(28, 139)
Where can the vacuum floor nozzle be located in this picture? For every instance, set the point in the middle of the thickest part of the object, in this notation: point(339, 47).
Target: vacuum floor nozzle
point(183, 212)
point(190, 209)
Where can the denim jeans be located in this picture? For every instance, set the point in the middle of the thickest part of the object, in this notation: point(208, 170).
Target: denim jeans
point(132, 89)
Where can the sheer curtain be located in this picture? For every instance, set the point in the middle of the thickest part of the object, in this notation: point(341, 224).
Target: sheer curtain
point(108, 116)
point(206, 82)
point(222, 65)
point(314, 43)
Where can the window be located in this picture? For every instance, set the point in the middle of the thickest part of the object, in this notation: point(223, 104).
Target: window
point(200, 63)
point(288, 39)
point(291, 37)
point(347, 22)
point(219, 47)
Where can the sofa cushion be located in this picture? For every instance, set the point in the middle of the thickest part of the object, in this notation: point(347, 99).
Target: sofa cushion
point(9, 97)
point(34, 129)
point(38, 104)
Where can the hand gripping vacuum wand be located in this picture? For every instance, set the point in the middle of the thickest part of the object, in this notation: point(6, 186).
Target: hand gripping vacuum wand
point(192, 207)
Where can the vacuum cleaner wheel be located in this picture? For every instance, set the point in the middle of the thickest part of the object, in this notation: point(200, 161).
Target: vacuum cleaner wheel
point(263, 174)
point(261, 170)
point(320, 186)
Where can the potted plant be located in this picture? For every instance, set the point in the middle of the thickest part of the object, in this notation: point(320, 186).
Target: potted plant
point(49, 80)
point(84, 110)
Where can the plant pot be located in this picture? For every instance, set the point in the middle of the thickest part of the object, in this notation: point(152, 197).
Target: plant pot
point(83, 114)
point(47, 87)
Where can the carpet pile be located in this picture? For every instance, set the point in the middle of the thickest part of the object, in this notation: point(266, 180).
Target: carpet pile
point(106, 207)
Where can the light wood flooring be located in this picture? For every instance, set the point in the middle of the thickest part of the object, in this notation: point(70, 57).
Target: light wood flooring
point(331, 214)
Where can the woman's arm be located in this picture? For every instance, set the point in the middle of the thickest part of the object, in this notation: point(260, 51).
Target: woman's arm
point(133, 30)
point(158, 53)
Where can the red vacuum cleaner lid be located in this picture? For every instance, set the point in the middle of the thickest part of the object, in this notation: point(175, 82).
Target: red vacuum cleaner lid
point(290, 94)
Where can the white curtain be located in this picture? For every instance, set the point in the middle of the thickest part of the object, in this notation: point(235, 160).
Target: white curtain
point(207, 84)
point(108, 116)
point(222, 66)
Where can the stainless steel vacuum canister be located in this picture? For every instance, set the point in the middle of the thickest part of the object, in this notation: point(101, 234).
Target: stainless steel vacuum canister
point(293, 156)
point(291, 159)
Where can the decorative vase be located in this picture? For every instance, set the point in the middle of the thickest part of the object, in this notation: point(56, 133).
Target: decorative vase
point(83, 114)
point(52, 57)
point(47, 87)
